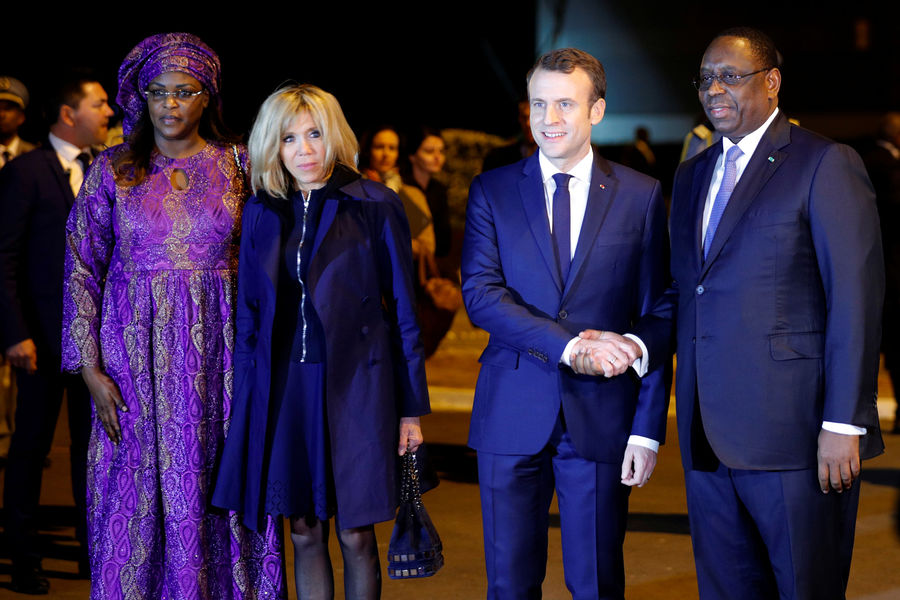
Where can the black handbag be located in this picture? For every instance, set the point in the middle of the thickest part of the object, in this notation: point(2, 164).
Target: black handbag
point(415, 549)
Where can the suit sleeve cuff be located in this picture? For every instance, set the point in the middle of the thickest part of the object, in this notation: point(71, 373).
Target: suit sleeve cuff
point(639, 440)
point(843, 428)
point(567, 352)
point(641, 364)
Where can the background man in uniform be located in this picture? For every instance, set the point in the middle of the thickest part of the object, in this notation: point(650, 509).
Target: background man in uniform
point(13, 102)
point(555, 243)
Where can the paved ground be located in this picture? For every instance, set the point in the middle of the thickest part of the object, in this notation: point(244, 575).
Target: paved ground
point(659, 564)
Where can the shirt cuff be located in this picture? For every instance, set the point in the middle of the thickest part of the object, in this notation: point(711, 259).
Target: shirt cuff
point(640, 365)
point(567, 352)
point(639, 440)
point(843, 428)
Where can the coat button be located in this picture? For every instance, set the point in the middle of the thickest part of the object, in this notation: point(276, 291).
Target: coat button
point(364, 299)
point(693, 340)
point(700, 289)
point(563, 314)
point(365, 330)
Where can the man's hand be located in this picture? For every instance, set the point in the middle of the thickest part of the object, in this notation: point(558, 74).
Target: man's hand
point(638, 465)
point(603, 352)
point(23, 355)
point(107, 398)
point(410, 433)
point(838, 460)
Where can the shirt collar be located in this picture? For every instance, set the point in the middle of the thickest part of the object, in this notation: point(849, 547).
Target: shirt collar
point(12, 147)
point(894, 150)
point(581, 171)
point(749, 142)
point(67, 151)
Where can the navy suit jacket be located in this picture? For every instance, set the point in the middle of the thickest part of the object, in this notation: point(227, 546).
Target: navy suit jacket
point(778, 329)
point(35, 199)
point(512, 288)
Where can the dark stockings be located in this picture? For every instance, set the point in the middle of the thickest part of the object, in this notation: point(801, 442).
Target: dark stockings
point(313, 575)
point(362, 571)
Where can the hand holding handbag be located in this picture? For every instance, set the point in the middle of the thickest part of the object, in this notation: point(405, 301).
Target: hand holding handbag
point(415, 549)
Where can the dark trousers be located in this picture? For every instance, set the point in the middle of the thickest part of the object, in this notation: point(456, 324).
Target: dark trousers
point(38, 405)
point(516, 492)
point(770, 534)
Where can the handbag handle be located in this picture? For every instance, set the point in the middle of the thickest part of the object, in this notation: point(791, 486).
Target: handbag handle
point(409, 491)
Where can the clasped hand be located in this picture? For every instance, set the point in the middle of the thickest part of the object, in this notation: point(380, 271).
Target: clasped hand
point(603, 353)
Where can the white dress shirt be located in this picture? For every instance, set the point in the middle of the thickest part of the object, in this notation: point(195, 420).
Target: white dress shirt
point(68, 155)
point(579, 186)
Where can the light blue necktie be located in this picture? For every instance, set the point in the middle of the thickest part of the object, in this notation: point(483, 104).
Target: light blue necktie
point(722, 196)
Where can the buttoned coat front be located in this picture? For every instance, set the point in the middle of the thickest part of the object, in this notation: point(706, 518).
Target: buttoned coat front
point(512, 288)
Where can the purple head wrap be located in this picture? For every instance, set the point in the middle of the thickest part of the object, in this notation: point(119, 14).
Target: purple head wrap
point(160, 54)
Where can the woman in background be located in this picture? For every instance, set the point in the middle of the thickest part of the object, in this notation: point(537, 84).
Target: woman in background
point(378, 154)
point(378, 157)
point(151, 269)
point(329, 368)
point(426, 160)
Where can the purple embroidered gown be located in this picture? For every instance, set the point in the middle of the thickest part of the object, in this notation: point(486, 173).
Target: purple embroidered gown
point(149, 291)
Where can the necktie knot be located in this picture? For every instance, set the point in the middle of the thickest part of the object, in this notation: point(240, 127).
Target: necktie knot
point(85, 159)
point(733, 154)
point(562, 180)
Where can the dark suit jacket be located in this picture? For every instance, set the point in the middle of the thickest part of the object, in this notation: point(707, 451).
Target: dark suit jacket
point(778, 329)
point(512, 288)
point(35, 199)
point(360, 283)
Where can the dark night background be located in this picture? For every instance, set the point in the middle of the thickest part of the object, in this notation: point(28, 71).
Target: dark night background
point(462, 64)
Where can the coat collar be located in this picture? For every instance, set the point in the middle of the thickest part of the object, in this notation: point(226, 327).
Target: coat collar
point(344, 184)
point(767, 158)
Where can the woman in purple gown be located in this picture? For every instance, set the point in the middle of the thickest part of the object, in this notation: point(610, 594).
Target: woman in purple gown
point(151, 266)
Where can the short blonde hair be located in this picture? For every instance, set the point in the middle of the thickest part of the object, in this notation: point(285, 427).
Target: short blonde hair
point(276, 113)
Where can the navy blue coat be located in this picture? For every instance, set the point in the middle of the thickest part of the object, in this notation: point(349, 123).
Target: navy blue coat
point(360, 283)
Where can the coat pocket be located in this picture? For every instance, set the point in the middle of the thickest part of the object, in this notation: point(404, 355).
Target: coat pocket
point(500, 357)
point(791, 346)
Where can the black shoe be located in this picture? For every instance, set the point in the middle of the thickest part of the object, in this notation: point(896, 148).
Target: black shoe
point(29, 580)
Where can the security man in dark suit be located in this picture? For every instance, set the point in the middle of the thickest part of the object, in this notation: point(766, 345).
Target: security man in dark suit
point(36, 192)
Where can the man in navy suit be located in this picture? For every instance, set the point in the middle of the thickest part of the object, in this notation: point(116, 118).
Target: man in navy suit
point(778, 284)
point(556, 243)
point(36, 192)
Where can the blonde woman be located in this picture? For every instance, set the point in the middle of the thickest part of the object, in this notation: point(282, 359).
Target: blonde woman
point(329, 368)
